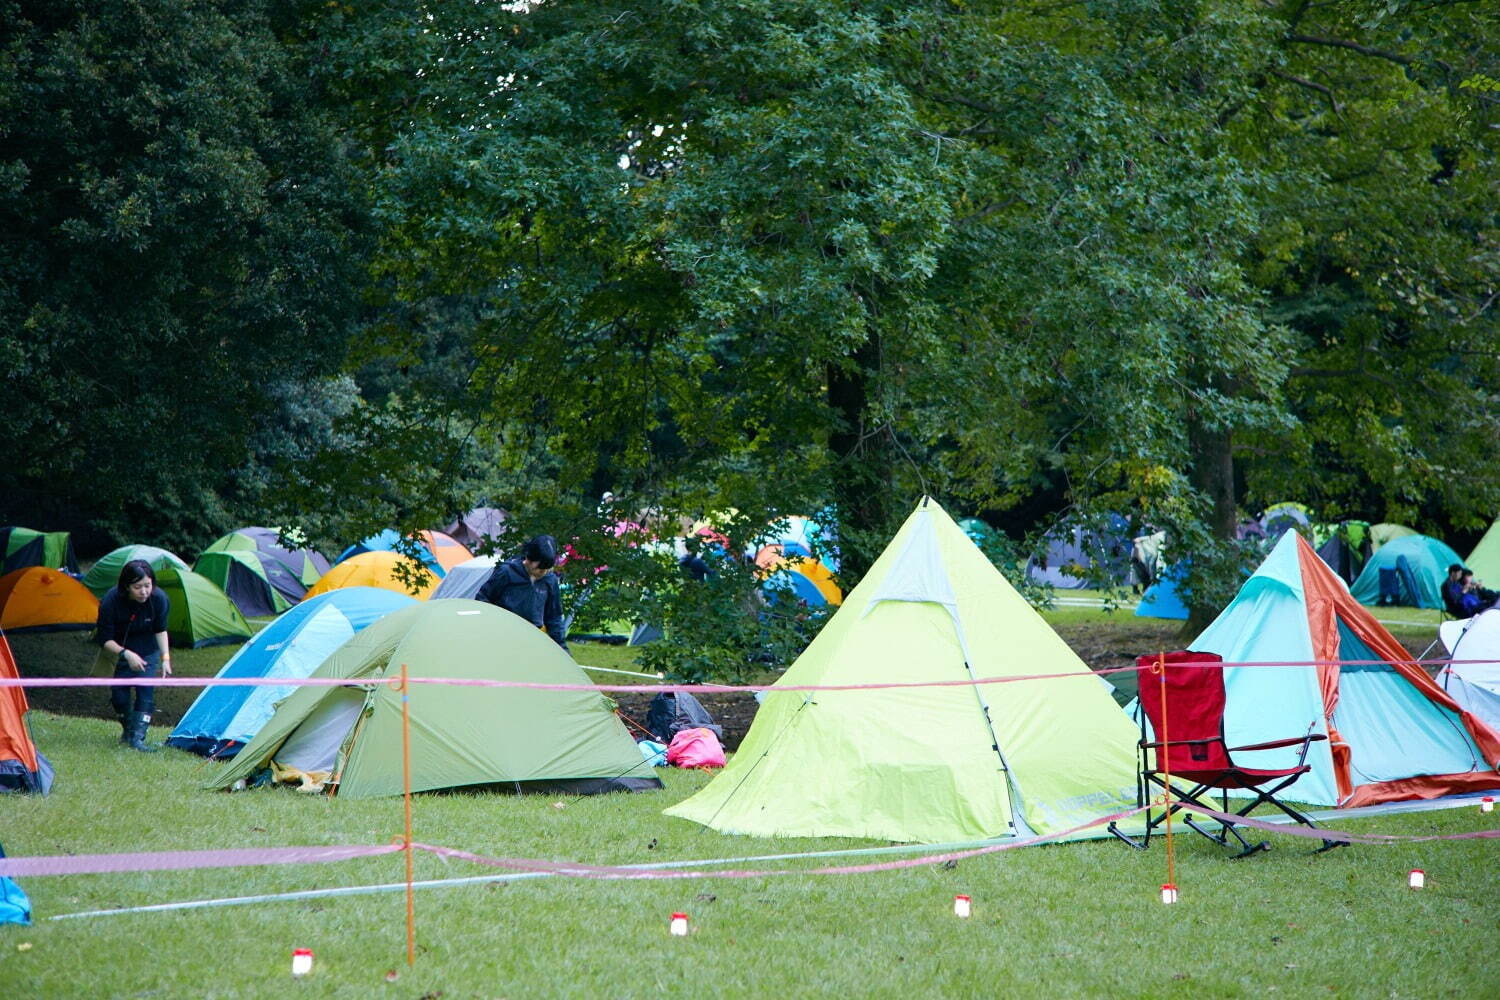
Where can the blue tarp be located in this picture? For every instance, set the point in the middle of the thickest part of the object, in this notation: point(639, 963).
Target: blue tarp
point(225, 718)
point(15, 908)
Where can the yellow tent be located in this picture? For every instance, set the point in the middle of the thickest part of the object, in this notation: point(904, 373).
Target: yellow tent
point(40, 598)
point(376, 569)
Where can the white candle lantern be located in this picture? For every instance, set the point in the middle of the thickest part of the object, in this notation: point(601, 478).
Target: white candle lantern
point(679, 925)
point(1417, 878)
point(1169, 893)
point(301, 961)
point(1487, 804)
point(961, 906)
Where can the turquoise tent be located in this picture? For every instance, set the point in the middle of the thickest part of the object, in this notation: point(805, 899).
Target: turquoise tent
point(224, 718)
point(1419, 564)
point(1393, 733)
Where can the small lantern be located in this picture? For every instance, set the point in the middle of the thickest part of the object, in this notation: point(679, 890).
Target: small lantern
point(1417, 878)
point(1169, 893)
point(301, 961)
point(1487, 804)
point(679, 925)
point(961, 906)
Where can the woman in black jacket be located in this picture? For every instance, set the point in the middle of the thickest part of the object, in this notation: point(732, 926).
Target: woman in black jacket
point(132, 627)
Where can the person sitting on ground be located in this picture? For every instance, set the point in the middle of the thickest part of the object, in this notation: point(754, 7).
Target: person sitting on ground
point(1452, 591)
point(1475, 598)
point(132, 627)
point(526, 586)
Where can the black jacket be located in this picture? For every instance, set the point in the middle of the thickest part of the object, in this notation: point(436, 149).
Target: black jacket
point(538, 601)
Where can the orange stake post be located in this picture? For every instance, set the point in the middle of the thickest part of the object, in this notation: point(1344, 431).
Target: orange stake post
point(411, 897)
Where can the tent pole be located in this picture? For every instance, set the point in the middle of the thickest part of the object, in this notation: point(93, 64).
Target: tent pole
point(411, 896)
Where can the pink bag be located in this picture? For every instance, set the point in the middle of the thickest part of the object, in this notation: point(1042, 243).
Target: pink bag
point(695, 748)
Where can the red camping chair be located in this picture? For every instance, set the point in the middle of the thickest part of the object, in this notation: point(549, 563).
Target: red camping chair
point(1195, 750)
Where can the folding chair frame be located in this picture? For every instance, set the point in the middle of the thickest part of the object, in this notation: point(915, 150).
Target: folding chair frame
point(1147, 777)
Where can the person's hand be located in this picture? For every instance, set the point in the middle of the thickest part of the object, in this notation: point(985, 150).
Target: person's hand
point(133, 661)
point(166, 666)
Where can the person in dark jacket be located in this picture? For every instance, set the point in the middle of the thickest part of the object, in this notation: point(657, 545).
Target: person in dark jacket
point(132, 627)
point(526, 586)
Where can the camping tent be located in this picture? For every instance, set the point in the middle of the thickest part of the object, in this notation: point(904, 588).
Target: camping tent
point(45, 600)
point(477, 526)
point(305, 564)
point(928, 764)
point(1485, 559)
point(22, 766)
point(106, 572)
point(22, 547)
point(1420, 565)
point(1279, 518)
point(1392, 732)
point(375, 569)
point(465, 579)
point(201, 614)
point(447, 550)
point(1164, 598)
point(460, 735)
point(1346, 548)
point(1073, 551)
point(389, 541)
point(1474, 685)
point(256, 583)
point(224, 718)
point(1383, 533)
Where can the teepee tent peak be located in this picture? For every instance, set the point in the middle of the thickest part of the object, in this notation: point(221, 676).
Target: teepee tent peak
point(927, 764)
point(1393, 733)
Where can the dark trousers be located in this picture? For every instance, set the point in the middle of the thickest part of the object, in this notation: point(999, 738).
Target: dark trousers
point(145, 697)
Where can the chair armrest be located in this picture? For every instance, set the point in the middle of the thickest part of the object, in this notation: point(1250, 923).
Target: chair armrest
point(1294, 741)
point(1182, 743)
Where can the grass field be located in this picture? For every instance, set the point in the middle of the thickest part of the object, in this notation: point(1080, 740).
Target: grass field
point(1080, 919)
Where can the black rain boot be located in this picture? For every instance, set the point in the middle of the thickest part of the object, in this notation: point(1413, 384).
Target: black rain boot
point(124, 728)
point(138, 723)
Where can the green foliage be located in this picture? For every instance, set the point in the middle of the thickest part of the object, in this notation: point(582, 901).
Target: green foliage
point(182, 248)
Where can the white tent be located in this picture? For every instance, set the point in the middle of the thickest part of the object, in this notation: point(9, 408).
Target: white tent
point(1475, 685)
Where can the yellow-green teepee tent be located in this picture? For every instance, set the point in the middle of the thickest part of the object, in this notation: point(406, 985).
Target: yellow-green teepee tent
point(928, 764)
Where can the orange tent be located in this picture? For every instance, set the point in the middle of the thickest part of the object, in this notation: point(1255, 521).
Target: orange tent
point(40, 598)
point(22, 768)
point(446, 549)
point(375, 569)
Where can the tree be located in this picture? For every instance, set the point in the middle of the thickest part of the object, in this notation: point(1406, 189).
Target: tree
point(182, 244)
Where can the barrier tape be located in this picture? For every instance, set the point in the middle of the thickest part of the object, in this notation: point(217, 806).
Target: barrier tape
point(160, 861)
point(91, 864)
point(50, 682)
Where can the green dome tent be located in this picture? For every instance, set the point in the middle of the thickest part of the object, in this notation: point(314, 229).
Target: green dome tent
point(930, 764)
point(23, 547)
point(106, 572)
point(350, 737)
point(201, 613)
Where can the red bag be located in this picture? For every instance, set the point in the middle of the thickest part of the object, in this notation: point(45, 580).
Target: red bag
point(695, 748)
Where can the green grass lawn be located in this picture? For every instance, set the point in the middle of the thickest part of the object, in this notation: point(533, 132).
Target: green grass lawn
point(1079, 919)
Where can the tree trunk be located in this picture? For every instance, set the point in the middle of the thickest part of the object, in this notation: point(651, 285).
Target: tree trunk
point(863, 461)
point(1212, 475)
